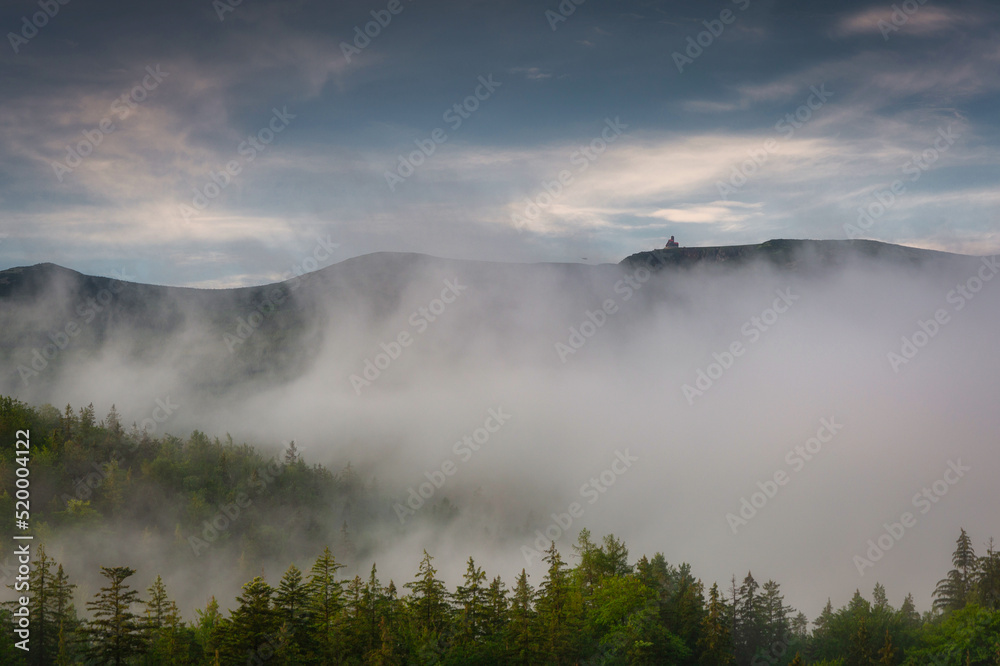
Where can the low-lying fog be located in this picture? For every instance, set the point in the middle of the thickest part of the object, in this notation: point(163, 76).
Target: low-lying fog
point(599, 421)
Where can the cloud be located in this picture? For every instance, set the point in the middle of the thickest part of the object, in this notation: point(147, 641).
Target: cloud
point(926, 20)
point(717, 212)
point(532, 73)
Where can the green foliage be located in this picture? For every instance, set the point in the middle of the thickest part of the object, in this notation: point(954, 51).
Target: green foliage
point(604, 610)
point(429, 603)
point(968, 636)
point(115, 633)
point(958, 588)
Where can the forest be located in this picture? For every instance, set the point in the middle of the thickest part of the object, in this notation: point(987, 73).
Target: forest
point(594, 605)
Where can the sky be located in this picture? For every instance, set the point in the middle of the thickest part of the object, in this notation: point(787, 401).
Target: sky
point(216, 144)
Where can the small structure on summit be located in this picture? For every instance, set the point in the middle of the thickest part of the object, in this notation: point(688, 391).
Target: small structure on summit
point(671, 243)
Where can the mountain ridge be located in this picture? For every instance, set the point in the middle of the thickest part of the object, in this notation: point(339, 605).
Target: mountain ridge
point(778, 251)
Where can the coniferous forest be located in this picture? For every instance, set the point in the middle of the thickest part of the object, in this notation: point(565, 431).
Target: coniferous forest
point(598, 604)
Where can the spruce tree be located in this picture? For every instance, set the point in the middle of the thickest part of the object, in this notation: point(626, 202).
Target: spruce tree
point(471, 601)
point(521, 646)
point(716, 640)
point(163, 623)
point(291, 605)
point(957, 589)
point(253, 627)
point(115, 633)
point(747, 625)
point(496, 611)
point(50, 608)
point(429, 601)
point(558, 615)
point(208, 627)
point(40, 608)
point(324, 604)
point(988, 579)
point(371, 603)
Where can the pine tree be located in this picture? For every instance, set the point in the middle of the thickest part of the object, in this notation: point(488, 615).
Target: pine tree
point(254, 625)
point(520, 630)
point(324, 604)
point(87, 421)
point(800, 626)
point(716, 640)
point(393, 648)
point(292, 454)
point(822, 623)
point(496, 612)
point(160, 610)
point(113, 424)
point(747, 625)
point(615, 556)
point(988, 579)
point(956, 590)
point(589, 571)
point(50, 608)
point(163, 622)
point(291, 603)
point(371, 602)
point(471, 600)
point(115, 632)
point(908, 612)
point(40, 608)
point(879, 599)
point(685, 608)
point(558, 615)
point(208, 627)
point(353, 636)
point(774, 615)
point(429, 600)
